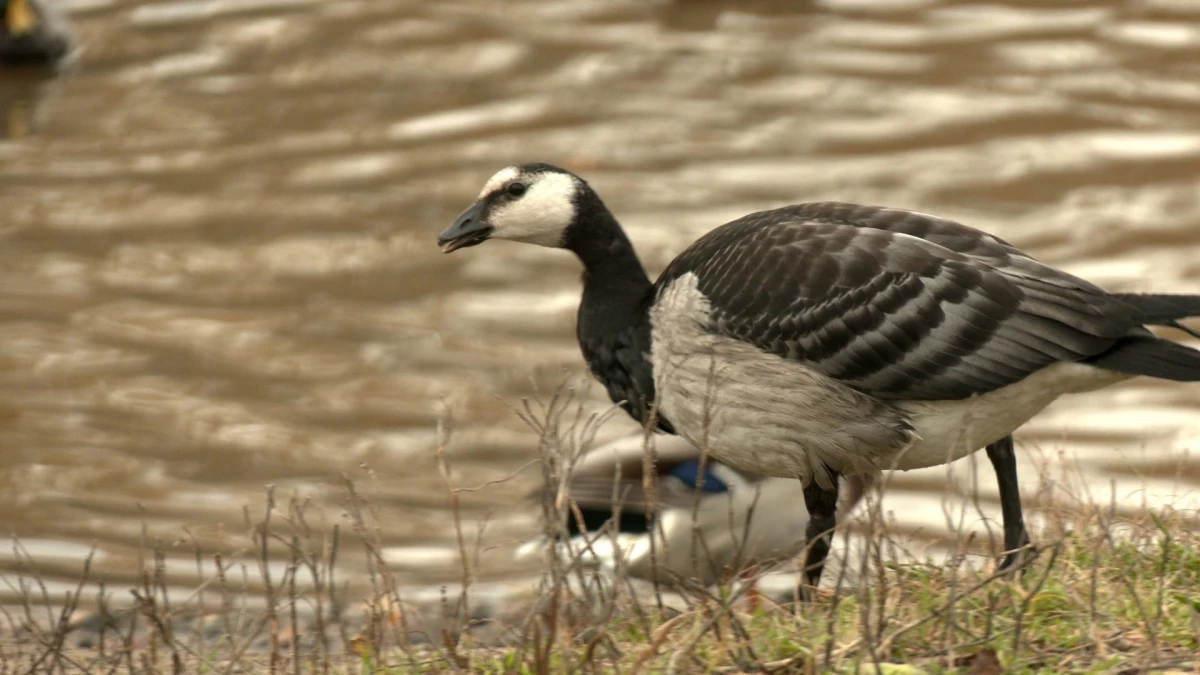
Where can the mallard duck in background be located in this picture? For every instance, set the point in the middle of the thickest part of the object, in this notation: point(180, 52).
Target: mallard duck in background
point(34, 33)
point(744, 520)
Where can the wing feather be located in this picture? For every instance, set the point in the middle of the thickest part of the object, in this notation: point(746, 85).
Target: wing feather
point(898, 304)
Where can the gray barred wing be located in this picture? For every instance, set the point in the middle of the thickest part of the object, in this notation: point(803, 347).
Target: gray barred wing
point(897, 304)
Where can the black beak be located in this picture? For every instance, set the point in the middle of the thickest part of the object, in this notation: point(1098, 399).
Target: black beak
point(469, 229)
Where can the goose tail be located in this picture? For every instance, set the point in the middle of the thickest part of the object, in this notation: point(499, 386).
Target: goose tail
point(1142, 353)
point(1159, 309)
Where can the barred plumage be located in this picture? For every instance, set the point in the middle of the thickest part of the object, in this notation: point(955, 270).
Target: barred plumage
point(852, 292)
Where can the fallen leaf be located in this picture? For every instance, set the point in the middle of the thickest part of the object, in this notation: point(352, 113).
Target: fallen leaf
point(985, 662)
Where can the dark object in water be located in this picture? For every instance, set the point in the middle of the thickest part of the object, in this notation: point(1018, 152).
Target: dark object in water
point(34, 34)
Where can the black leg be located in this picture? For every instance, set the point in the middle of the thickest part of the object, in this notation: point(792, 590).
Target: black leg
point(822, 508)
point(1004, 461)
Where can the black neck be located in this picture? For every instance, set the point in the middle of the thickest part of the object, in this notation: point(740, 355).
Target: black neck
point(613, 276)
point(614, 320)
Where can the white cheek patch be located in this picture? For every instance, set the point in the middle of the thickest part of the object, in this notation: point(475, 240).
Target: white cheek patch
point(540, 217)
point(502, 178)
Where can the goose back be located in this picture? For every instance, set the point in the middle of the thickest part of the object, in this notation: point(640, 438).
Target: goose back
point(894, 303)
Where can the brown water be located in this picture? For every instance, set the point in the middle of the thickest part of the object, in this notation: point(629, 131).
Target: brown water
point(218, 268)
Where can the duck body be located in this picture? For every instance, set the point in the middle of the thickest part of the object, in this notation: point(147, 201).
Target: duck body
point(827, 339)
point(711, 521)
point(34, 34)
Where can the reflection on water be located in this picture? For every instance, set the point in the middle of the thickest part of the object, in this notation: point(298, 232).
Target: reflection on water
point(19, 94)
point(218, 267)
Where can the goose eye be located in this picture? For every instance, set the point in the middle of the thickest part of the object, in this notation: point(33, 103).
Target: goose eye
point(515, 189)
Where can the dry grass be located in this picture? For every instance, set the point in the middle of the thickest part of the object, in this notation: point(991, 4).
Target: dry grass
point(1103, 595)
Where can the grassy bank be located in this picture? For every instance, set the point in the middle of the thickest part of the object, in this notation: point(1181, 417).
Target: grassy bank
point(1087, 604)
point(1091, 601)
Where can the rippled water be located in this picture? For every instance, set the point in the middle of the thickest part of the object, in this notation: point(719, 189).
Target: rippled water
point(218, 267)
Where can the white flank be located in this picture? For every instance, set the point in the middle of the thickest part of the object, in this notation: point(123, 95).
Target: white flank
point(950, 430)
point(756, 411)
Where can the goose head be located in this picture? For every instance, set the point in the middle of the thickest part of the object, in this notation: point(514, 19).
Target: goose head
point(531, 203)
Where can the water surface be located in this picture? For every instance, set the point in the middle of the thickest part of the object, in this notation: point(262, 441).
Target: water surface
point(218, 266)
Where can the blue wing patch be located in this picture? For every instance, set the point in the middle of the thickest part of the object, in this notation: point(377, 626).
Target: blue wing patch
point(689, 473)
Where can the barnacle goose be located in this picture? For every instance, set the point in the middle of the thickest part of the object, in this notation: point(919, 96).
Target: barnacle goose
point(34, 33)
point(712, 522)
point(826, 339)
